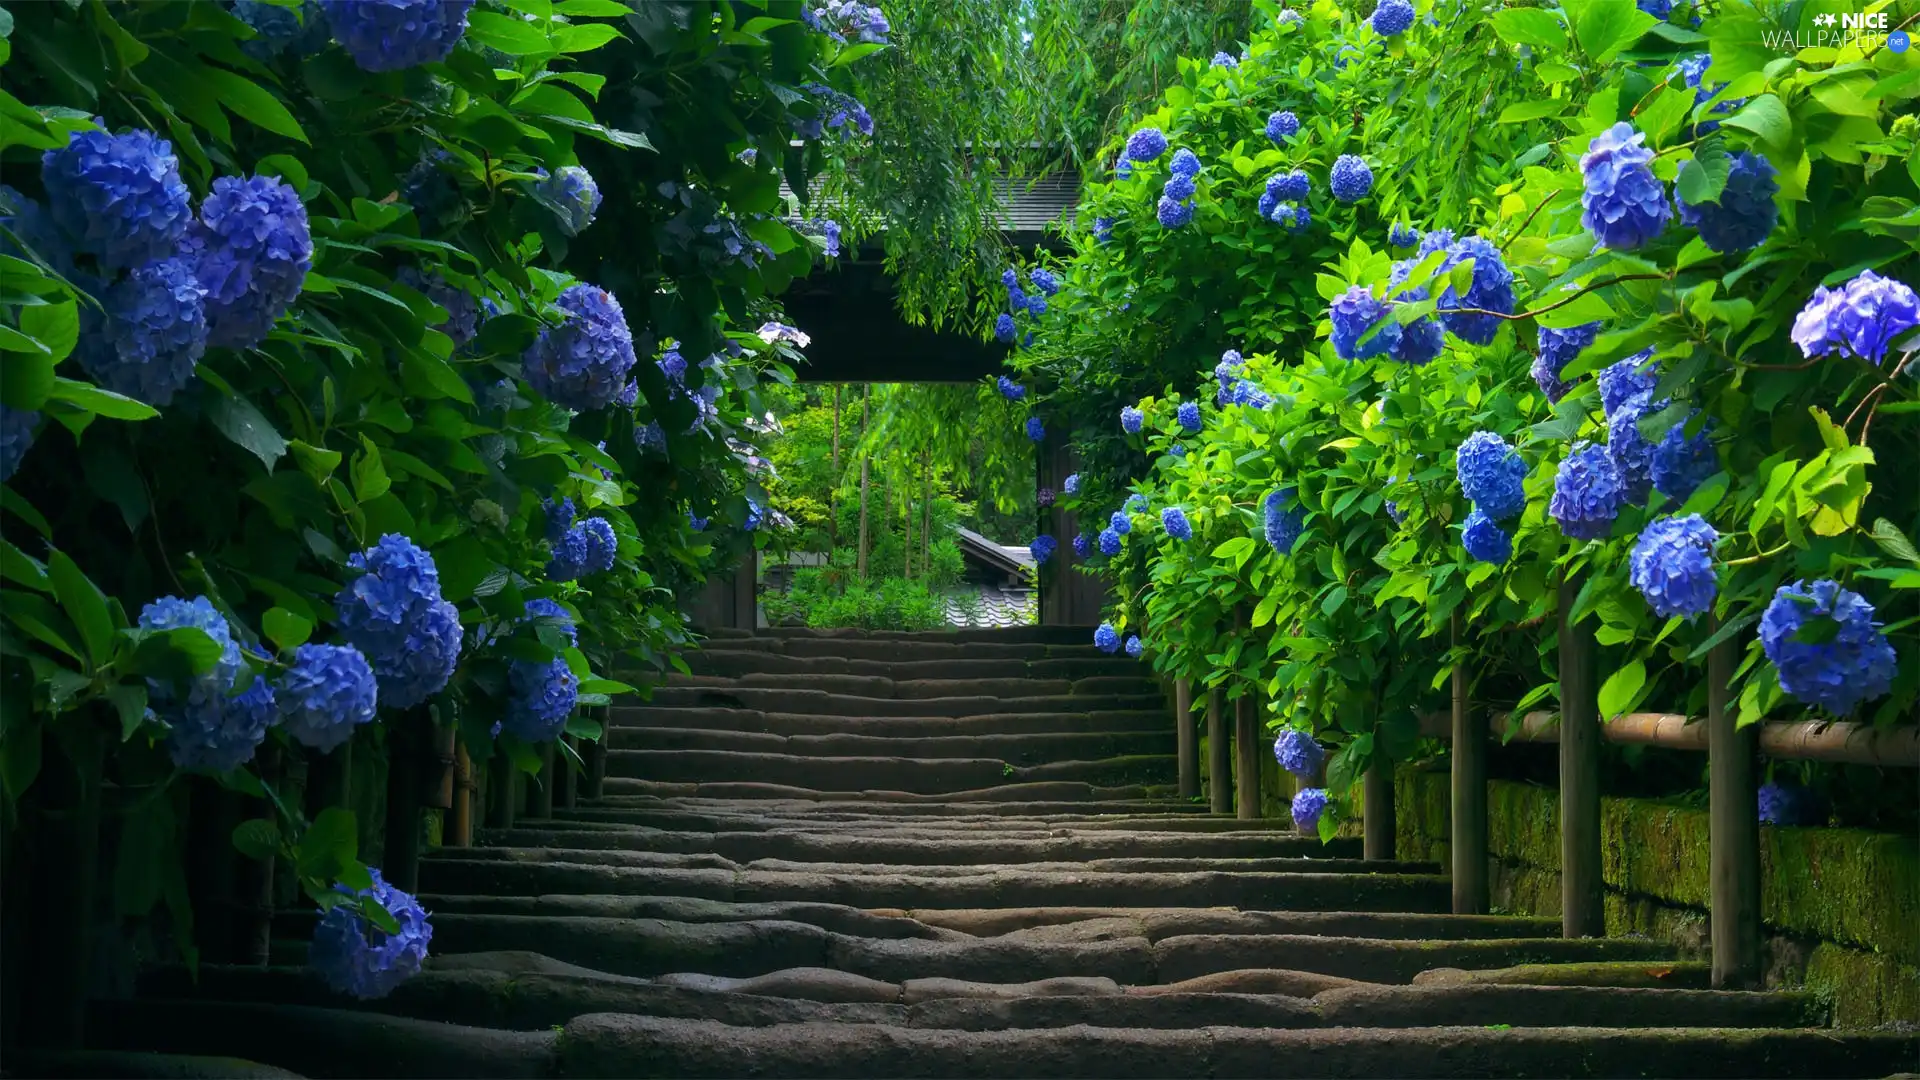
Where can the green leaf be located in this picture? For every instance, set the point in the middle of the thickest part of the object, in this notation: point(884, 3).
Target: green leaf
point(1765, 116)
point(328, 845)
point(857, 51)
point(247, 100)
point(85, 604)
point(584, 727)
point(258, 839)
point(90, 398)
point(1604, 27)
point(1664, 113)
point(317, 462)
point(507, 34)
point(57, 326)
point(130, 701)
point(174, 655)
point(1534, 27)
point(1521, 111)
point(1894, 542)
point(12, 340)
point(370, 479)
point(26, 378)
point(22, 569)
point(239, 420)
point(1702, 179)
point(583, 38)
point(286, 629)
point(1622, 689)
point(599, 9)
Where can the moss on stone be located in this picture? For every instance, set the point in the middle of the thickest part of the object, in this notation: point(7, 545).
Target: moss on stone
point(1845, 885)
point(1865, 988)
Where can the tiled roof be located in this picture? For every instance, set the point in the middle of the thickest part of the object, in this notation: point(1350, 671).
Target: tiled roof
point(1028, 206)
point(997, 607)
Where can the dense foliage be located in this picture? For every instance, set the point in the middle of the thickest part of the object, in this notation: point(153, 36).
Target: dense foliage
point(1581, 316)
point(372, 370)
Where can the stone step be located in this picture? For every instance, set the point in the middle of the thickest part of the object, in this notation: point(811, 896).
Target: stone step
point(1683, 974)
point(818, 702)
point(1031, 749)
point(979, 725)
point(915, 649)
point(1060, 796)
point(882, 687)
point(1011, 887)
point(925, 776)
point(743, 814)
point(710, 861)
point(932, 850)
point(348, 1043)
point(961, 666)
point(1009, 635)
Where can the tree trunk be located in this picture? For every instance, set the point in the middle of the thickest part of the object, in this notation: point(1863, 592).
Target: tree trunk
point(926, 513)
point(866, 413)
point(833, 511)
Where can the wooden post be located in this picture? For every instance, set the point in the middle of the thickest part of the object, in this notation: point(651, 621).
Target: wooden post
point(540, 799)
point(253, 899)
point(65, 852)
point(459, 831)
point(1186, 738)
point(1469, 833)
point(400, 861)
point(569, 777)
point(1246, 746)
point(1376, 807)
point(866, 416)
point(595, 758)
point(1733, 833)
point(329, 779)
point(1581, 911)
point(502, 801)
point(1219, 760)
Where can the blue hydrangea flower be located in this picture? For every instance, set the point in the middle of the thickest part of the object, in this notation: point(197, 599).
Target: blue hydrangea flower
point(1587, 493)
point(1659, 9)
point(1295, 217)
point(602, 545)
point(1308, 805)
point(1174, 520)
point(1037, 305)
point(1350, 179)
point(1283, 521)
point(1229, 368)
point(1282, 125)
point(1491, 291)
point(207, 728)
point(1245, 392)
point(1629, 450)
point(1071, 485)
point(1398, 515)
point(1299, 753)
point(582, 364)
point(431, 192)
point(1392, 18)
point(1043, 280)
point(389, 35)
point(1624, 380)
point(355, 957)
point(1177, 450)
point(1403, 235)
point(394, 614)
point(1109, 542)
point(1787, 804)
point(1865, 317)
point(1625, 205)
point(1491, 474)
point(1146, 144)
point(1484, 540)
point(1682, 464)
point(1102, 229)
point(1184, 163)
point(1853, 664)
point(1106, 638)
point(559, 518)
point(154, 333)
point(1035, 429)
point(254, 249)
point(1422, 339)
point(1694, 70)
point(570, 193)
point(569, 561)
point(280, 29)
point(541, 607)
point(1016, 297)
point(1042, 548)
point(463, 311)
point(1353, 313)
point(1672, 566)
point(1083, 545)
point(1225, 60)
point(1178, 187)
point(1043, 498)
point(1011, 390)
point(1119, 522)
point(1135, 504)
point(540, 697)
point(1557, 350)
point(17, 427)
point(1172, 213)
point(1131, 419)
point(1744, 213)
point(1189, 416)
point(1004, 329)
point(327, 692)
point(117, 197)
point(696, 522)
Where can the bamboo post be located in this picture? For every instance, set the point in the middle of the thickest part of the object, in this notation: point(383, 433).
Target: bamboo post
point(1186, 738)
point(502, 800)
point(1219, 761)
point(65, 870)
point(329, 778)
point(540, 799)
point(1246, 747)
point(569, 778)
point(400, 861)
point(459, 831)
point(595, 758)
point(1376, 807)
point(1733, 833)
point(253, 930)
point(1469, 794)
point(1581, 911)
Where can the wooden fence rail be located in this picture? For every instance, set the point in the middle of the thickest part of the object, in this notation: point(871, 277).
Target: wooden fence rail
point(1841, 742)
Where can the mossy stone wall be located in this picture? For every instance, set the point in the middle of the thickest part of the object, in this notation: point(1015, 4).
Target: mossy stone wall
point(1841, 907)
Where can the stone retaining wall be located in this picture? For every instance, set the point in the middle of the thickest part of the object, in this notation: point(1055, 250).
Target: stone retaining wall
point(1841, 907)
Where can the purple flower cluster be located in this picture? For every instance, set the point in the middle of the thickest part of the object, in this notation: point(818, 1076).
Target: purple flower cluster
point(1011, 390)
point(540, 698)
point(1355, 312)
point(1106, 638)
point(1491, 290)
point(582, 364)
point(1134, 647)
point(153, 335)
point(1392, 18)
point(208, 725)
point(1174, 520)
point(389, 35)
point(1744, 212)
point(1422, 339)
point(571, 195)
point(463, 311)
point(844, 20)
point(1282, 519)
point(394, 614)
point(1282, 125)
point(1403, 235)
point(1491, 474)
point(1043, 498)
point(1176, 207)
point(1147, 144)
point(1071, 485)
point(1225, 60)
point(1624, 204)
point(1109, 543)
point(1631, 453)
point(1042, 548)
point(17, 428)
point(1131, 419)
point(1298, 753)
point(1102, 229)
point(1558, 349)
point(1308, 805)
point(117, 197)
point(1035, 429)
point(1587, 493)
point(1826, 645)
point(1672, 566)
point(1485, 540)
point(355, 957)
point(1865, 316)
point(1119, 522)
point(1188, 414)
point(327, 693)
point(1350, 179)
point(1682, 463)
point(1624, 380)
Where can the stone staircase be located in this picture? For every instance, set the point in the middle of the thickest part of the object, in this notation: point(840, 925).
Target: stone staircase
point(959, 854)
